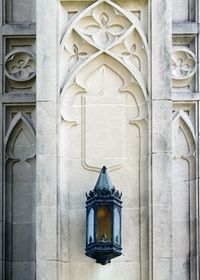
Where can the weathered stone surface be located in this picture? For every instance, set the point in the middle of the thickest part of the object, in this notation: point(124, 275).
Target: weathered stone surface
point(23, 247)
point(46, 242)
point(46, 269)
point(46, 184)
point(161, 126)
point(111, 90)
point(21, 270)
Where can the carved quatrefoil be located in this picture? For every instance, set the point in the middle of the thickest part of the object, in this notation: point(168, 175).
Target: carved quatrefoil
point(103, 25)
point(184, 66)
point(20, 65)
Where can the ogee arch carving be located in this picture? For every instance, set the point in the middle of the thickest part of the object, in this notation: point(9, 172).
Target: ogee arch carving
point(104, 111)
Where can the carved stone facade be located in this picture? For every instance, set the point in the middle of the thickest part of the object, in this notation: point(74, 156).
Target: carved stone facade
point(112, 83)
point(18, 140)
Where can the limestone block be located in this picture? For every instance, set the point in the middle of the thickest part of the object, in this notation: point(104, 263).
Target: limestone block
point(180, 169)
point(46, 129)
point(161, 126)
point(162, 269)
point(161, 177)
point(181, 239)
point(63, 270)
point(79, 185)
point(99, 139)
point(144, 238)
point(63, 238)
point(162, 231)
point(129, 184)
point(133, 194)
point(47, 56)
point(77, 231)
point(144, 196)
point(70, 134)
point(46, 237)
point(114, 270)
point(181, 201)
point(185, 267)
point(130, 231)
point(181, 268)
point(161, 49)
point(64, 175)
point(46, 270)
point(46, 181)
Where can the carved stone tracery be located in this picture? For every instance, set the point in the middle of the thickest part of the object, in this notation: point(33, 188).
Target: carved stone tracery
point(184, 66)
point(103, 25)
point(20, 65)
point(106, 27)
point(103, 103)
point(105, 32)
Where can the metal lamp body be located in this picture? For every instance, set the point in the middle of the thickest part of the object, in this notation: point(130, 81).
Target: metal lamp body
point(103, 246)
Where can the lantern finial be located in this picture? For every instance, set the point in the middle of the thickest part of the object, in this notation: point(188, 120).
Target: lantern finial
point(103, 181)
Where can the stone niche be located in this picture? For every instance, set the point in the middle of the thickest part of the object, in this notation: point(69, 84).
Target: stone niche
point(20, 11)
point(104, 121)
point(183, 10)
point(20, 193)
point(184, 191)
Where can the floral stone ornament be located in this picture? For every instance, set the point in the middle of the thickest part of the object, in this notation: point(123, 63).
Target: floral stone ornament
point(103, 214)
point(20, 65)
point(184, 66)
point(103, 26)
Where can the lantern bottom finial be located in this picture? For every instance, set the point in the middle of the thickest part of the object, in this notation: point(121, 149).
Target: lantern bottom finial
point(103, 261)
point(103, 254)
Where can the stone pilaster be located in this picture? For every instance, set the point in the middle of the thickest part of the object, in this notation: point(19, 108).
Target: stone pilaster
point(161, 131)
point(46, 174)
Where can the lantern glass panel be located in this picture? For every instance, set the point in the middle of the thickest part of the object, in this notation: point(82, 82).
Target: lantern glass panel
point(90, 234)
point(116, 235)
point(104, 219)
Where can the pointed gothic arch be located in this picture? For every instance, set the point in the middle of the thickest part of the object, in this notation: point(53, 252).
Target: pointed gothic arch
point(20, 123)
point(182, 121)
point(20, 197)
point(184, 192)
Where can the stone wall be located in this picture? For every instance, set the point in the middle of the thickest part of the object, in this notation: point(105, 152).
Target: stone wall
point(18, 140)
point(117, 85)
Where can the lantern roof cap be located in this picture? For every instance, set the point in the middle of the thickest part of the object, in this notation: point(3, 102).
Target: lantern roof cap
point(103, 181)
point(104, 187)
